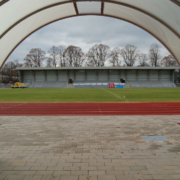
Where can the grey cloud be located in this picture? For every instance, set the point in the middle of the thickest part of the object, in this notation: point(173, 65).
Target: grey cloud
point(84, 32)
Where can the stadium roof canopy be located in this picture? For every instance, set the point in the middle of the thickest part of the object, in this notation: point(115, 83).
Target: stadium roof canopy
point(94, 68)
point(20, 18)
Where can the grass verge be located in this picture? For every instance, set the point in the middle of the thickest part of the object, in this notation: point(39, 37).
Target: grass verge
point(89, 95)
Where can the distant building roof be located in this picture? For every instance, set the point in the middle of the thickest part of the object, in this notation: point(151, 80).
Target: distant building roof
point(94, 68)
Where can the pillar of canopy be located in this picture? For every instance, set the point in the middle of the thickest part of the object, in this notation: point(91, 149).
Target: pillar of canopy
point(19, 18)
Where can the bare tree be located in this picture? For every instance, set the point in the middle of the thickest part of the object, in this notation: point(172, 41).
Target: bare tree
point(154, 54)
point(98, 54)
point(114, 55)
point(9, 72)
point(129, 54)
point(17, 63)
point(74, 56)
point(28, 61)
point(54, 52)
point(49, 62)
point(169, 61)
point(142, 59)
point(61, 49)
point(35, 58)
point(69, 55)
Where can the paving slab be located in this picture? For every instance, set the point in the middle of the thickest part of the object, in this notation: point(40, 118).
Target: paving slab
point(89, 147)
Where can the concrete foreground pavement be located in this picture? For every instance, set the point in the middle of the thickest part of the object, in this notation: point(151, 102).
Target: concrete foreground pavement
point(89, 148)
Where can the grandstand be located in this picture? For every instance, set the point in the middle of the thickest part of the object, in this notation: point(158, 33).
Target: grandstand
point(86, 77)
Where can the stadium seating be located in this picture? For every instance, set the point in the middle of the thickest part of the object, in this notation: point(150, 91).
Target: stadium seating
point(37, 84)
point(60, 85)
point(172, 84)
point(144, 84)
point(133, 84)
point(152, 84)
point(5, 86)
point(48, 84)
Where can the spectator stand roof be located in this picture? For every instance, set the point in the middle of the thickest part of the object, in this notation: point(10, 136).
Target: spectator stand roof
point(20, 18)
point(94, 68)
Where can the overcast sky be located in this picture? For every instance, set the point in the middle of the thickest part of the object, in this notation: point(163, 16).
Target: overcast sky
point(84, 32)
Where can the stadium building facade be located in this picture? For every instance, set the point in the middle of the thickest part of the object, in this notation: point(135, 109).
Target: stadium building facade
point(86, 77)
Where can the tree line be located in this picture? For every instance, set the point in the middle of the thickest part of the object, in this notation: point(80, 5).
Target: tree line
point(73, 56)
point(9, 73)
point(97, 56)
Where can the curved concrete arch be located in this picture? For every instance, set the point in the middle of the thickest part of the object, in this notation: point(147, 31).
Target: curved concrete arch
point(63, 9)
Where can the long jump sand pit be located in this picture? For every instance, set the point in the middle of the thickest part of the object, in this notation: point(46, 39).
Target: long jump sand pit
point(89, 147)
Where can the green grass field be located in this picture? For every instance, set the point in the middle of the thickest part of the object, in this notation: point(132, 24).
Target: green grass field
point(90, 95)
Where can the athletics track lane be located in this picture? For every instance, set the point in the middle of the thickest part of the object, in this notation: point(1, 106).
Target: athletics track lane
point(65, 109)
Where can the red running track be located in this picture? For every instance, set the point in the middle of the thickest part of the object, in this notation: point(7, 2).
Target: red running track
point(63, 109)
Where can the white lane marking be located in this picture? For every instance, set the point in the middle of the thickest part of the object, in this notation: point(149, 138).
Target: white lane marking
point(112, 93)
point(8, 107)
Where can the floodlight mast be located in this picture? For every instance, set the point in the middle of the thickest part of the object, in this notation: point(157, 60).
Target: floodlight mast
point(17, 24)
